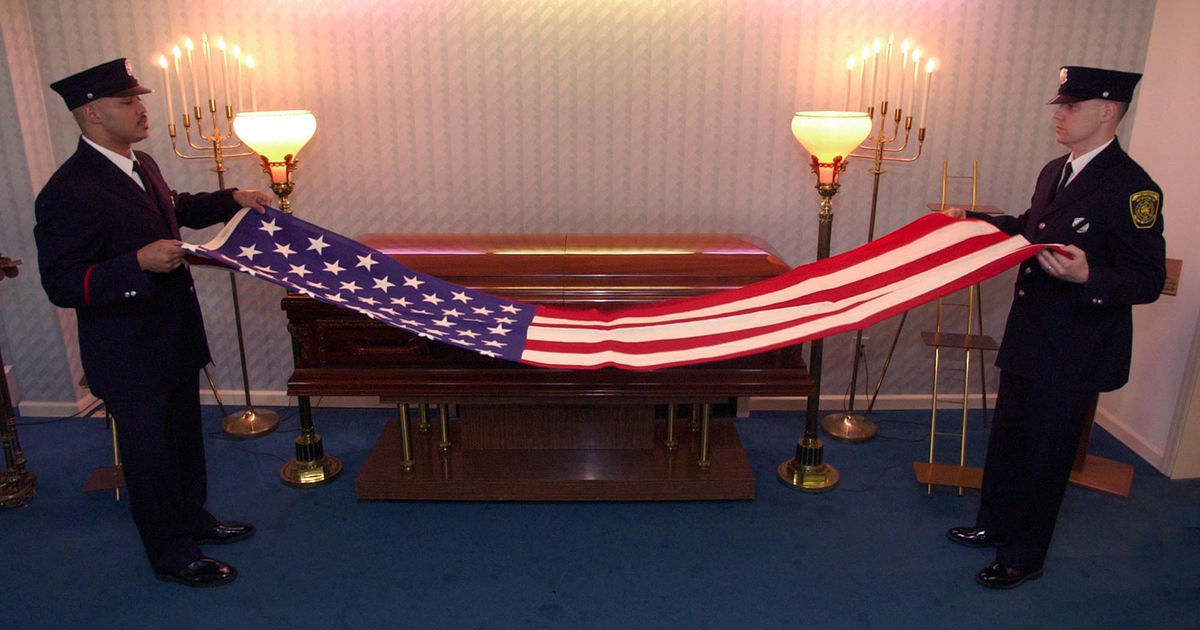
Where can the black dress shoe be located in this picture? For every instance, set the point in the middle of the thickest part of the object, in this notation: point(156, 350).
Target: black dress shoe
point(201, 573)
point(225, 532)
point(1000, 576)
point(974, 537)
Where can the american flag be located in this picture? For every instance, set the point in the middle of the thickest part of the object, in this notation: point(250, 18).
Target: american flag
point(930, 257)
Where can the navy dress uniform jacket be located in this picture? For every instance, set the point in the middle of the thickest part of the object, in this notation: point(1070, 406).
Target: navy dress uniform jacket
point(1080, 336)
point(138, 331)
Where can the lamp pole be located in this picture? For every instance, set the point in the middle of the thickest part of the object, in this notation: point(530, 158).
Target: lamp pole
point(829, 136)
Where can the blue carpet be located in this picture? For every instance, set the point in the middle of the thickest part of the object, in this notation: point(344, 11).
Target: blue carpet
point(870, 554)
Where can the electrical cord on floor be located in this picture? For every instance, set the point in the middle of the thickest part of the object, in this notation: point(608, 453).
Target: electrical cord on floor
point(874, 482)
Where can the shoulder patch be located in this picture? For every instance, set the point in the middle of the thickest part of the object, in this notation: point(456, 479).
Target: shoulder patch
point(1143, 207)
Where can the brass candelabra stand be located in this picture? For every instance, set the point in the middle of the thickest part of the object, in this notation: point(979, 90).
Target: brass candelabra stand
point(216, 146)
point(17, 484)
point(848, 425)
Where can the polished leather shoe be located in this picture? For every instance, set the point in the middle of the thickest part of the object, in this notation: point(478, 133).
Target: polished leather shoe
point(1000, 576)
point(201, 573)
point(225, 532)
point(974, 537)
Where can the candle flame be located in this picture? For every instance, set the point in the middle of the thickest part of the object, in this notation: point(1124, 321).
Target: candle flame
point(162, 61)
point(930, 65)
point(904, 47)
point(237, 52)
point(176, 52)
point(249, 61)
point(878, 44)
point(850, 63)
point(916, 55)
point(866, 53)
point(221, 44)
point(187, 43)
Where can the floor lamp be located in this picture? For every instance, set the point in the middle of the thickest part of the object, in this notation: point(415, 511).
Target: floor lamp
point(277, 136)
point(830, 136)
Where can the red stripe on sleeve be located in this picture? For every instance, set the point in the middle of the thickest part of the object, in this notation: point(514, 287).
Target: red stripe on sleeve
point(87, 289)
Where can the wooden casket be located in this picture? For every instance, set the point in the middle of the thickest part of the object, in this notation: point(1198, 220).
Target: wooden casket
point(530, 433)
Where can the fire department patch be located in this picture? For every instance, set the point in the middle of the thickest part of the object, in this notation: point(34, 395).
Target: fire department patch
point(1143, 207)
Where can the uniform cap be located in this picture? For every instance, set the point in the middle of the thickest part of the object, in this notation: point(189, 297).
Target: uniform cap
point(1079, 83)
point(112, 78)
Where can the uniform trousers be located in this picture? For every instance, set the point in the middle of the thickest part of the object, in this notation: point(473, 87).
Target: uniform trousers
point(162, 455)
point(1031, 449)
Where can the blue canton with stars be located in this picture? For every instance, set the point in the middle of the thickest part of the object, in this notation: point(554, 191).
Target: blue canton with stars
point(332, 268)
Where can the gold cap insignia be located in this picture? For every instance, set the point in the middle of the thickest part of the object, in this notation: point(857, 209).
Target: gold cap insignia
point(1062, 76)
point(1143, 207)
point(128, 68)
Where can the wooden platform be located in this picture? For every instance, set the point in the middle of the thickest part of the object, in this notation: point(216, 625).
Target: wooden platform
point(558, 474)
point(1097, 473)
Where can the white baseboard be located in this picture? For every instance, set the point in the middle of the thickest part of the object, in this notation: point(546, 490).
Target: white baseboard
point(1130, 438)
point(892, 402)
point(235, 399)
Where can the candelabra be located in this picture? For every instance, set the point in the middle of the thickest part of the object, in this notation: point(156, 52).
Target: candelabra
point(848, 425)
point(830, 137)
point(216, 145)
point(17, 484)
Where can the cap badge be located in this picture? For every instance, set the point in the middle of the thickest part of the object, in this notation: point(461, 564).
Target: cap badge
point(1143, 208)
point(1062, 76)
point(128, 68)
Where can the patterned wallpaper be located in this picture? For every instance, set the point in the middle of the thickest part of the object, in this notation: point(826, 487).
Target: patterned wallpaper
point(559, 115)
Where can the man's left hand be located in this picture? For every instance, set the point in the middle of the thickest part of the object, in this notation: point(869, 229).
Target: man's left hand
point(1072, 267)
point(255, 199)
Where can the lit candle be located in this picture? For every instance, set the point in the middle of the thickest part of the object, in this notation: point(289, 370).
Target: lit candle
point(849, 73)
point(237, 57)
point(887, 67)
point(929, 66)
point(862, 79)
point(903, 73)
point(187, 43)
point(179, 75)
point(224, 67)
point(916, 69)
point(874, 72)
point(162, 63)
point(208, 67)
point(250, 80)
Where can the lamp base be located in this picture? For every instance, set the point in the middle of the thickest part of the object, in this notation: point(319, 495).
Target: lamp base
point(309, 474)
point(848, 426)
point(807, 472)
point(250, 423)
point(311, 467)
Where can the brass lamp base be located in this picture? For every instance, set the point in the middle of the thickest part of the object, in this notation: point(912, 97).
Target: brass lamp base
point(820, 478)
point(311, 467)
point(807, 472)
point(848, 426)
point(250, 423)
point(17, 488)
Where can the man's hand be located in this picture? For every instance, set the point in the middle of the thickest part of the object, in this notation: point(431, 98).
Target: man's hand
point(255, 199)
point(1072, 268)
point(954, 212)
point(161, 256)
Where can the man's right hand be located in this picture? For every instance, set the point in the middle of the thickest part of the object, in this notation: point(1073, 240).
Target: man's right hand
point(161, 256)
point(954, 212)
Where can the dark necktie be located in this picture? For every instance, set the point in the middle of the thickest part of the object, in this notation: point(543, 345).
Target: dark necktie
point(1062, 183)
point(164, 211)
point(137, 168)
